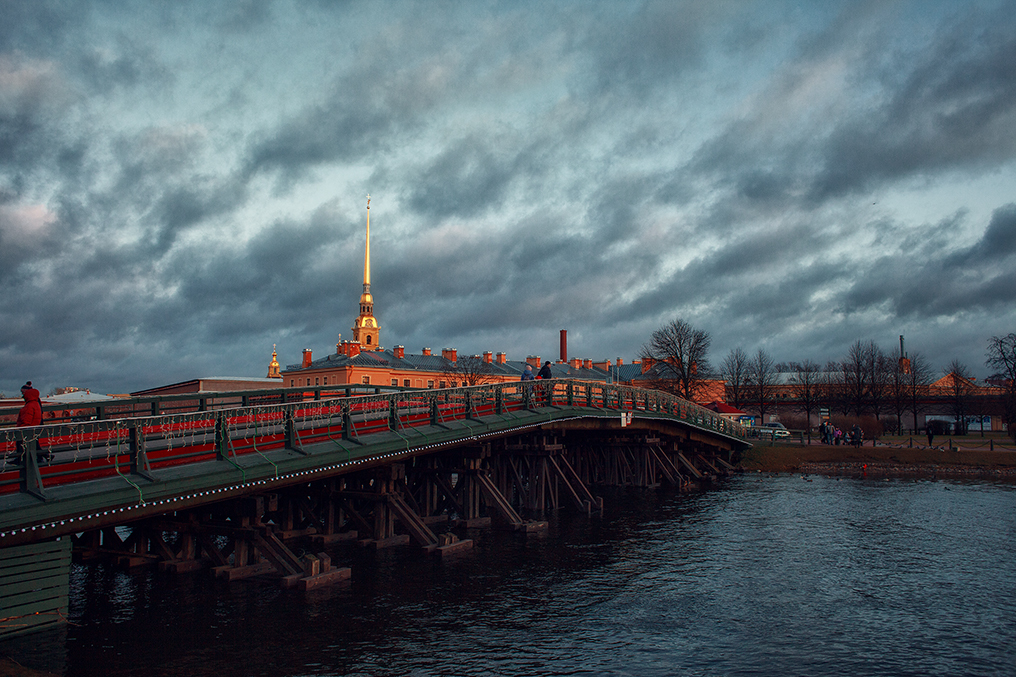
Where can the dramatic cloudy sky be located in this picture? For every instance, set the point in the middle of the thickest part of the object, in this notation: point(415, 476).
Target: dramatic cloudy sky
point(182, 184)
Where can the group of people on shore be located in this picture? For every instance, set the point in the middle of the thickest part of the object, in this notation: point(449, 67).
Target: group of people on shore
point(830, 434)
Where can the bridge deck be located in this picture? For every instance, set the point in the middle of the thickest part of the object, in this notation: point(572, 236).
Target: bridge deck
point(106, 472)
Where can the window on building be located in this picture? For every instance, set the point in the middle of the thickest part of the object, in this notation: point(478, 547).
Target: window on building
point(366, 380)
point(368, 339)
point(430, 384)
point(324, 381)
point(317, 381)
point(395, 381)
point(442, 384)
point(292, 382)
point(455, 384)
point(406, 383)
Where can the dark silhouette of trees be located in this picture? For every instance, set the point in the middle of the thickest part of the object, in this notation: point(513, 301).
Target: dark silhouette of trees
point(866, 376)
point(806, 382)
point(470, 371)
point(1002, 358)
point(917, 380)
point(961, 389)
point(854, 371)
point(678, 354)
point(762, 381)
point(734, 372)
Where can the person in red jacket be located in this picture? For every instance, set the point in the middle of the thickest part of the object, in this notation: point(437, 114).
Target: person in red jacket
point(30, 414)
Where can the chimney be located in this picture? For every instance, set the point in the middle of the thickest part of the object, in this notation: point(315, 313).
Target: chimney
point(502, 358)
point(904, 360)
point(307, 359)
point(587, 363)
point(450, 354)
point(352, 348)
point(399, 352)
point(426, 351)
point(533, 360)
point(576, 363)
point(564, 345)
point(619, 361)
point(605, 365)
point(647, 364)
point(488, 357)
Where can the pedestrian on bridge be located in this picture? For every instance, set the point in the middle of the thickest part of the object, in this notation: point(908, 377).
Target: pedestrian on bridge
point(30, 414)
point(527, 375)
point(545, 371)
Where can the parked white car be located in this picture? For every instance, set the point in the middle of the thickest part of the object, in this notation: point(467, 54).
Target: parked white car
point(772, 430)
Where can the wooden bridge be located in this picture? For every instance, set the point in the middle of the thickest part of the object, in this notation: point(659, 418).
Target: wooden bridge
point(227, 480)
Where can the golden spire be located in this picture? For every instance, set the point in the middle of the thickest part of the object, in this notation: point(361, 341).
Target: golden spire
point(273, 368)
point(365, 329)
point(366, 252)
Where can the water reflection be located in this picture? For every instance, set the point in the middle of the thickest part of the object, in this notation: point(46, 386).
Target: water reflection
point(786, 576)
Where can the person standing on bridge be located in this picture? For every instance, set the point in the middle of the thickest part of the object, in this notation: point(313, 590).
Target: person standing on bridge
point(30, 414)
point(545, 371)
point(527, 374)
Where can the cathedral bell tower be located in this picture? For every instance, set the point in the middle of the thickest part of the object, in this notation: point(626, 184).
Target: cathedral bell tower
point(365, 329)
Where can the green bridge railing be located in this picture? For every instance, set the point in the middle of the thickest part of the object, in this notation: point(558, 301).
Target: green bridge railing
point(181, 430)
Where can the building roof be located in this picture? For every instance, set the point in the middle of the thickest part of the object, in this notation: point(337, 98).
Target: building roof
point(76, 397)
point(724, 408)
point(386, 359)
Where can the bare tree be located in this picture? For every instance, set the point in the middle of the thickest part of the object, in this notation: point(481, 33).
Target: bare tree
point(855, 378)
point(1002, 358)
point(470, 371)
point(762, 381)
point(833, 393)
point(961, 388)
point(735, 372)
point(917, 382)
point(880, 368)
point(679, 356)
point(899, 372)
point(865, 378)
point(806, 386)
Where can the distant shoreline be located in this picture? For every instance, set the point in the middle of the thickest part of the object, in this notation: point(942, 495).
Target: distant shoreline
point(881, 461)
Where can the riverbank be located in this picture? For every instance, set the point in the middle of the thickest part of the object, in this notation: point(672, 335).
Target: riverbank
point(885, 460)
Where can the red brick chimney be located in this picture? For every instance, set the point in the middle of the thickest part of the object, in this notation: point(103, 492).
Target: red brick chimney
point(450, 354)
point(619, 361)
point(488, 357)
point(307, 359)
point(534, 360)
point(647, 364)
point(587, 364)
point(564, 345)
point(502, 358)
point(426, 351)
point(575, 363)
point(399, 351)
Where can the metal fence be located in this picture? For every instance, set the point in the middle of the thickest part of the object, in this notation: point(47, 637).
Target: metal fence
point(117, 439)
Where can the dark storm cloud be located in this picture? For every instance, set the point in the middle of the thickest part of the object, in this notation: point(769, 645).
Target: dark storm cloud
point(956, 107)
point(469, 176)
point(650, 43)
point(174, 178)
point(947, 283)
point(947, 104)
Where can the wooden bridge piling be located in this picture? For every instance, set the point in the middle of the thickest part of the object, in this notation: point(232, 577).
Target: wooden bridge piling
point(242, 491)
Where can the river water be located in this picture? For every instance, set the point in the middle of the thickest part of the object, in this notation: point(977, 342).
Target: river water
point(762, 575)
